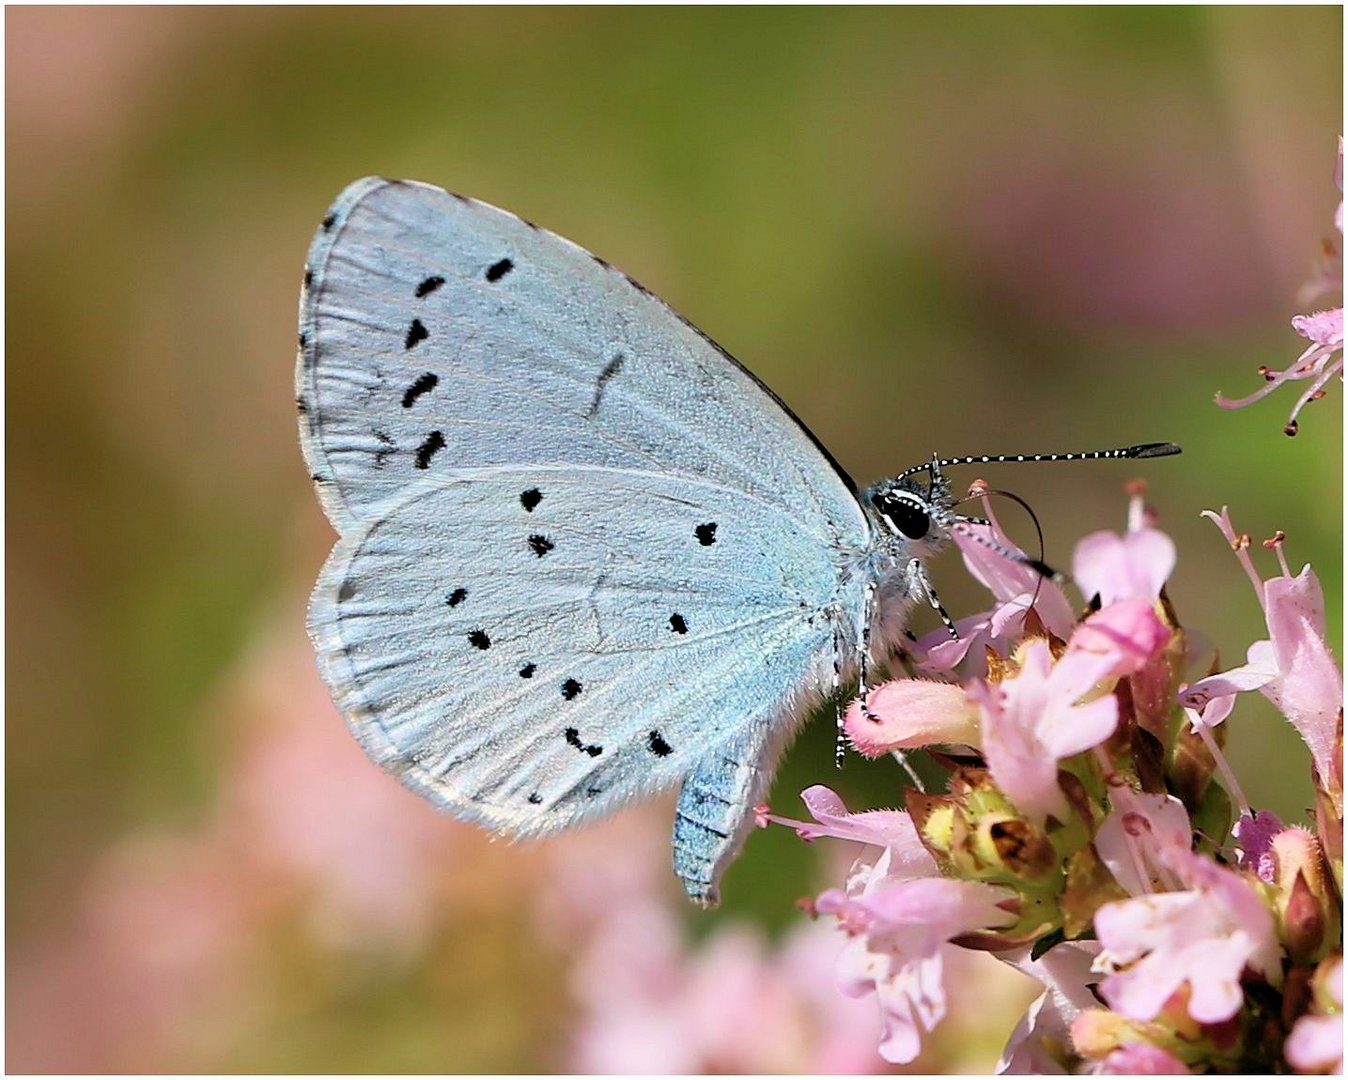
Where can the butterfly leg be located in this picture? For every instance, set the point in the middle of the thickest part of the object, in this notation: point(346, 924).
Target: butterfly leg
point(862, 645)
point(918, 575)
point(837, 703)
point(864, 655)
point(716, 811)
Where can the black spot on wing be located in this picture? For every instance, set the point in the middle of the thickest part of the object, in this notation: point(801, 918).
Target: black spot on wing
point(540, 544)
point(457, 597)
point(328, 222)
point(573, 739)
point(678, 624)
point(423, 385)
point(571, 689)
point(308, 277)
point(527, 672)
point(658, 746)
point(429, 285)
point(479, 639)
point(435, 442)
point(535, 798)
point(497, 270)
point(706, 534)
point(346, 591)
point(416, 333)
point(610, 369)
point(531, 498)
point(304, 339)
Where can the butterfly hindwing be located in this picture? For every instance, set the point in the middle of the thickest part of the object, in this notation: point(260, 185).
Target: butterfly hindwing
point(532, 647)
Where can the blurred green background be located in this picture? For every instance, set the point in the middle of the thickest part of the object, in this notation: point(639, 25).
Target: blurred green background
point(962, 230)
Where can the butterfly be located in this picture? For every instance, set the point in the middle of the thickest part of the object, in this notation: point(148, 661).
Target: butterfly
point(584, 555)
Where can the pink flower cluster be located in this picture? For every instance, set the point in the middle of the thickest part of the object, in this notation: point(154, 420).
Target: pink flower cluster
point(1323, 357)
point(1083, 836)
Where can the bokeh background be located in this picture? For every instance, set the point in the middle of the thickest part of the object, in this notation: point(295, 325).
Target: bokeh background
point(927, 229)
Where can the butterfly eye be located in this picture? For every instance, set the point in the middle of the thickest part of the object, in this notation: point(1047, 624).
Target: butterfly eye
point(903, 515)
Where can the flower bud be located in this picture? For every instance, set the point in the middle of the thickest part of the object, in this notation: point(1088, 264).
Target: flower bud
point(1153, 687)
point(909, 713)
point(1308, 914)
point(1097, 1033)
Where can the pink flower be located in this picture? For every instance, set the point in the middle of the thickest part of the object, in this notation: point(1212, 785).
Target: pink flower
point(910, 713)
point(1132, 566)
point(898, 929)
point(899, 914)
point(1040, 1043)
point(892, 830)
point(1316, 1042)
point(1323, 359)
point(1316, 1045)
point(1294, 668)
point(1014, 585)
point(1140, 837)
point(1204, 937)
point(1036, 719)
point(1028, 722)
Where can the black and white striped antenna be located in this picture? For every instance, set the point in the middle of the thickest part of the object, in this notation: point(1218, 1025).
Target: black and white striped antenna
point(1142, 450)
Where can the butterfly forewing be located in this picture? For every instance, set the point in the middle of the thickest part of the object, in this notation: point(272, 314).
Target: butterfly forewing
point(439, 332)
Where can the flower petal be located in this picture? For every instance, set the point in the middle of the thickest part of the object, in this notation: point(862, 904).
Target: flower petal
point(909, 713)
point(1117, 640)
point(1254, 833)
point(1261, 670)
point(899, 929)
point(1204, 937)
point(1321, 327)
point(1138, 834)
point(1309, 688)
point(1041, 1038)
point(891, 829)
point(1132, 566)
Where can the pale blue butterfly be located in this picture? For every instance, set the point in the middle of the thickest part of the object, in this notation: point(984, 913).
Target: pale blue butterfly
point(584, 555)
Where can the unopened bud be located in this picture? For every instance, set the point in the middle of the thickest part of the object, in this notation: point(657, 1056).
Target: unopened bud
point(1308, 913)
point(1099, 1032)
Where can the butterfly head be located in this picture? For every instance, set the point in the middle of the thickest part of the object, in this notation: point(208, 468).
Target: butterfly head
point(914, 516)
